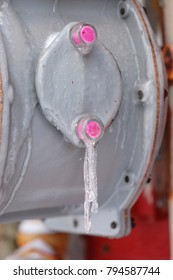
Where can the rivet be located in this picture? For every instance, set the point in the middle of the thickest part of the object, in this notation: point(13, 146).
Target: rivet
point(114, 225)
point(127, 179)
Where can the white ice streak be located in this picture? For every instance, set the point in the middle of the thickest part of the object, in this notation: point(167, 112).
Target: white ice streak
point(90, 181)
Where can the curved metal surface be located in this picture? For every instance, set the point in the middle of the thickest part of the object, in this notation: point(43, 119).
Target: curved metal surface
point(46, 179)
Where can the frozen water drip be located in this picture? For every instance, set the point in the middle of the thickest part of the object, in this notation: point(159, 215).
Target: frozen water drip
point(90, 182)
point(90, 131)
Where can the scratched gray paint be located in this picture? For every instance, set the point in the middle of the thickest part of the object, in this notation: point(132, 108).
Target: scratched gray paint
point(41, 173)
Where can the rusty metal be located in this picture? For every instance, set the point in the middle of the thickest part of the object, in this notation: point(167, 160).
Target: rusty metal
point(168, 58)
point(158, 93)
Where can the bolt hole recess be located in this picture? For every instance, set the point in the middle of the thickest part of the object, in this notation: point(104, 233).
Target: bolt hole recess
point(114, 225)
point(140, 95)
point(123, 9)
point(127, 179)
point(75, 223)
point(149, 180)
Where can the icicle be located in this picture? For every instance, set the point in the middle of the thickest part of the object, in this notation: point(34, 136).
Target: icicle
point(90, 130)
point(90, 181)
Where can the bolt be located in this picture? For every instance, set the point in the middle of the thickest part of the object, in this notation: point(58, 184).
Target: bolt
point(113, 225)
point(140, 94)
point(91, 128)
point(127, 179)
point(88, 34)
point(122, 11)
point(83, 37)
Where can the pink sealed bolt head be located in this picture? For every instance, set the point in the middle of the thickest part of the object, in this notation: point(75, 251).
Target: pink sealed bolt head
point(88, 34)
point(93, 130)
point(90, 128)
point(83, 37)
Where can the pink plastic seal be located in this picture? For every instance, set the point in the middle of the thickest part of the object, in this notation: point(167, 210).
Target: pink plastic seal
point(93, 130)
point(88, 34)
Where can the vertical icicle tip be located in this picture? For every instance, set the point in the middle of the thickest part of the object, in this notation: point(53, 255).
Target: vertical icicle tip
point(90, 130)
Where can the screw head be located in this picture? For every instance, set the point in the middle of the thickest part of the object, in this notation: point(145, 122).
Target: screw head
point(88, 34)
point(93, 129)
point(140, 95)
point(83, 37)
point(122, 11)
point(113, 225)
point(127, 179)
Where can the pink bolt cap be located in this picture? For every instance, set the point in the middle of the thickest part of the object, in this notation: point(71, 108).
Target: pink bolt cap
point(90, 128)
point(88, 34)
point(93, 130)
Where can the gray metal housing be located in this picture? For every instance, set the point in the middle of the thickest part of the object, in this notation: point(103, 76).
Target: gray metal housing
point(41, 172)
